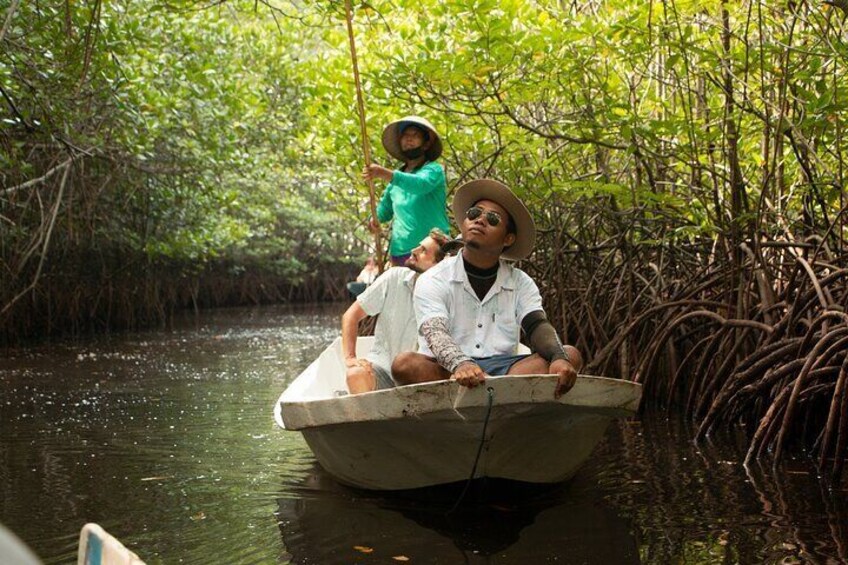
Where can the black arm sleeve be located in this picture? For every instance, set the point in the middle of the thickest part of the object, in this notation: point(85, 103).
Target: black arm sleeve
point(543, 337)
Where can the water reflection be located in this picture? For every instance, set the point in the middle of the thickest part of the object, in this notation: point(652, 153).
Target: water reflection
point(780, 496)
point(698, 504)
point(167, 440)
point(496, 522)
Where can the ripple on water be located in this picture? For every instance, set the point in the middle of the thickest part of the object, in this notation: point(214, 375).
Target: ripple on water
point(167, 439)
point(152, 435)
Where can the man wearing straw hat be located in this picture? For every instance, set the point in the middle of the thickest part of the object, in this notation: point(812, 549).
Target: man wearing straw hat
point(471, 308)
point(415, 196)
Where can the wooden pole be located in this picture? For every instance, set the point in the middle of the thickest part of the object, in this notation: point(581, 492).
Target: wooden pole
point(366, 147)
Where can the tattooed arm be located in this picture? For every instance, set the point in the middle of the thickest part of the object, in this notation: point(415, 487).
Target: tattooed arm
point(442, 345)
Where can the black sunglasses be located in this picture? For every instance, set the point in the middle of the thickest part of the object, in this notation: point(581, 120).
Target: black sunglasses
point(493, 218)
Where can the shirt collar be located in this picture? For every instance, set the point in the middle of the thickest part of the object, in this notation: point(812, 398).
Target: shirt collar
point(416, 169)
point(409, 278)
point(504, 280)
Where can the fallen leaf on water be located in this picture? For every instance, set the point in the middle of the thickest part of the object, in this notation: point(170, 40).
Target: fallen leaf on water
point(198, 516)
point(363, 549)
point(400, 558)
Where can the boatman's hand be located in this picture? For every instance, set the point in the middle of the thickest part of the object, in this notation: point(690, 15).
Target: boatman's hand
point(373, 226)
point(374, 171)
point(566, 376)
point(469, 374)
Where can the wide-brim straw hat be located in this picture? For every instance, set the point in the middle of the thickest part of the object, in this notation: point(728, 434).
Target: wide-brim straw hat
point(391, 137)
point(489, 189)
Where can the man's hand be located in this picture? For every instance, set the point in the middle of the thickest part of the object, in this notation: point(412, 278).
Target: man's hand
point(373, 171)
point(353, 362)
point(566, 376)
point(469, 374)
point(360, 375)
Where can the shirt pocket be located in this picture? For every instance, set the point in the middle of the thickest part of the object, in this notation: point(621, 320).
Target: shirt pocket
point(463, 323)
point(506, 331)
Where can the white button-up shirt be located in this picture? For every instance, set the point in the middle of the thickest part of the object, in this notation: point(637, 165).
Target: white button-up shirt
point(390, 296)
point(481, 328)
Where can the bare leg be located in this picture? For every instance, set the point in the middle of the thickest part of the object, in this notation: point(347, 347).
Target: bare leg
point(413, 368)
point(575, 357)
point(360, 379)
point(533, 365)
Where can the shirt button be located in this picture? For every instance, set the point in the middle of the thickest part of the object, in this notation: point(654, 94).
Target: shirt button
point(478, 346)
point(479, 325)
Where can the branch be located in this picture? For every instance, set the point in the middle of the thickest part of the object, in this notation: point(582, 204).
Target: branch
point(581, 140)
point(46, 245)
point(40, 179)
point(15, 110)
point(8, 22)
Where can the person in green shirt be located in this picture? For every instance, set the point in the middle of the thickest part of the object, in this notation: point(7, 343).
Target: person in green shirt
point(414, 199)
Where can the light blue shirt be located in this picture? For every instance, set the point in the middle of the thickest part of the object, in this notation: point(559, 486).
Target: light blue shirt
point(481, 328)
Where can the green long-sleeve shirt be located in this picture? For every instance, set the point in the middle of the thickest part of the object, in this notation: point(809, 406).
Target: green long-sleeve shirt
point(416, 202)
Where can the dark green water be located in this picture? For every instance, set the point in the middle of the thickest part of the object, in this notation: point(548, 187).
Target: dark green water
point(167, 440)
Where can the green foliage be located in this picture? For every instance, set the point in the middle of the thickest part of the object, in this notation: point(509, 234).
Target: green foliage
point(628, 95)
point(229, 132)
point(183, 124)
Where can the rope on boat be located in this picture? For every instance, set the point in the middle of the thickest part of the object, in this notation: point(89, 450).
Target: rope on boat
point(491, 393)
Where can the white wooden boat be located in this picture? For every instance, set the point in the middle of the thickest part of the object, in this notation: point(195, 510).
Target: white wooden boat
point(96, 547)
point(429, 434)
point(99, 547)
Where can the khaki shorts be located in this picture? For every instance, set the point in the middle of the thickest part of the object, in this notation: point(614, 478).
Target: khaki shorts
point(383, 377)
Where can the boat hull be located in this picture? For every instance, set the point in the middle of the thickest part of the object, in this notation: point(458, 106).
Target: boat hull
point(522, 443)
point(429, 434)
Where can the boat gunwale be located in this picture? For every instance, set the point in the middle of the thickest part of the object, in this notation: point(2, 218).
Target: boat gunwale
point(448, 396)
